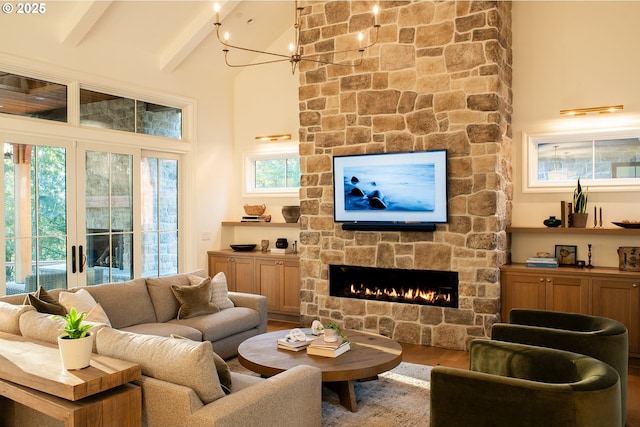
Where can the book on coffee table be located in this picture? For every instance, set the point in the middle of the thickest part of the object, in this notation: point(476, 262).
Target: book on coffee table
point(289, 344)
point(320, 347)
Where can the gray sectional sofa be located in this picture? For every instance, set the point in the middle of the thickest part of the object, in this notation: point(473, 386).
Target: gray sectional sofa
point(148, 306)
point(184, 383)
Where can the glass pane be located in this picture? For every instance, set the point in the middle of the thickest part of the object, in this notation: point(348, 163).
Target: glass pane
point(109, 213)
point(168, 195)
point(52, 191)
point(168, 253)
point(35, 217)
point(271, 173)
point(149, 180)
point(293, 172)
point(121, 192)
point(617, 158)
point(160, 217)
point(150, 259)
point(106, 111)
point(27, 97)
point(158, 120)
point(566, 161)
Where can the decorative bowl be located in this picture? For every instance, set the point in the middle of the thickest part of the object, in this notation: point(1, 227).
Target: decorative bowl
point(627, 224)
point(243, 248)
point(254, 210)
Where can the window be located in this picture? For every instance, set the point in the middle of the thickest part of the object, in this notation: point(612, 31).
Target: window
point(27, 97)
point(603, 160)
point(272, 173)
point(115, 112)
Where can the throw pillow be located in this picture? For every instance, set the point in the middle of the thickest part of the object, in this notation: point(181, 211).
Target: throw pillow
point(194, 300)
point(44, 303)
point(224, 373)
point(219, 290)
point(10, 316)
point(81, 300)
point(84, 302)
point(184, 362)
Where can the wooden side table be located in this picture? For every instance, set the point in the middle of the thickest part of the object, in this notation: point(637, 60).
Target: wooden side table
point(100, 395)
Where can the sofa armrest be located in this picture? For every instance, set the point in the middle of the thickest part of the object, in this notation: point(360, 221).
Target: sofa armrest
point(254, 301)
point(290, 399)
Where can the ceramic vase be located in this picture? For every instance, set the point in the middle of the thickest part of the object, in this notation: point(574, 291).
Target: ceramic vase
point(75, 354)
point(291, 213)
point(552, 221)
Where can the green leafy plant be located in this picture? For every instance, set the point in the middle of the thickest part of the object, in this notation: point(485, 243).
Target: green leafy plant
point(580, 199)
point(74, 327)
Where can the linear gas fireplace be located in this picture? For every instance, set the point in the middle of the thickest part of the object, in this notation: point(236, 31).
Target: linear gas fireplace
point(425, 287)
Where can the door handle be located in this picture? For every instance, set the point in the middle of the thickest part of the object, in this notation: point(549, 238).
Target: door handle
point(82, 258)
point(73, 259)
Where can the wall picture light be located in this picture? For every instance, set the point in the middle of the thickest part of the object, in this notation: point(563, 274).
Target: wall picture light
point(583, 111)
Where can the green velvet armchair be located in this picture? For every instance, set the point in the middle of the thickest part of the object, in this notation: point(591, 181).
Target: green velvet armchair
point(599, 337)
point(511, 384)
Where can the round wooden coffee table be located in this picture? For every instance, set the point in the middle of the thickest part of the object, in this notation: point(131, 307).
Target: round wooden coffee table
point(370, 355)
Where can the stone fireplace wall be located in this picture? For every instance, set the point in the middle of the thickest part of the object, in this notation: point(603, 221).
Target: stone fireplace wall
point(439, 77)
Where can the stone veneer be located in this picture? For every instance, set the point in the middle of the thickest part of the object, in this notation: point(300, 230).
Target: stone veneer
point(439, 77)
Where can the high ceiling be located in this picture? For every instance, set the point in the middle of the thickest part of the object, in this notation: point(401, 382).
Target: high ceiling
point(166, 33)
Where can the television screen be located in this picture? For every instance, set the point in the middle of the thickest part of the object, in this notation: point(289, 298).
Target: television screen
point(391, 187)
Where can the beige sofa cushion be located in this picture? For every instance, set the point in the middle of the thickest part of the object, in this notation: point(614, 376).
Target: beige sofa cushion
point(164, 302)
point(10, 317)
point(41, 326)
point(184, 362)
point(126, 303)
point(46, 327)
point(224, 373)
point(194, 300)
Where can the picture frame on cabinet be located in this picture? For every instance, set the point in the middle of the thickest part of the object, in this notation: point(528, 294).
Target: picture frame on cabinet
point(566, 255)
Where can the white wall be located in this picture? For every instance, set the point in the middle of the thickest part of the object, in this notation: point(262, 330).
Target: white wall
point(266, 103)
point(573, 54)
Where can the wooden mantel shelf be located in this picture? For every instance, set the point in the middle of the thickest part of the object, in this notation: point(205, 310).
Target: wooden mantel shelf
point(563, 230)
point(260, 224)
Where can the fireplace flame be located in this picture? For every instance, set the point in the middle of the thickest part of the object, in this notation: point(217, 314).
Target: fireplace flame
point(411, 295)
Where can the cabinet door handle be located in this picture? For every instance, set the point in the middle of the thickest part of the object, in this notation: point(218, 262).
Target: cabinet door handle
point(548, 280)
point(541, 279)
point(635, 285)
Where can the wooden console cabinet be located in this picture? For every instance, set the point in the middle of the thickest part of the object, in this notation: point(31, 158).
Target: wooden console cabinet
point(606, 292)
point(275, 276)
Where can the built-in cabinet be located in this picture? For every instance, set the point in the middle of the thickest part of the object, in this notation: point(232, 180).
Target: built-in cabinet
point(606, 292)
point(275, 276)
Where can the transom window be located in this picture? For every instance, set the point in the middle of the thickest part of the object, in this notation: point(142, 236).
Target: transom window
point(606, 160)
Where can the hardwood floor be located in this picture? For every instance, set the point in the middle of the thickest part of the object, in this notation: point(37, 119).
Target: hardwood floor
point(433, 356)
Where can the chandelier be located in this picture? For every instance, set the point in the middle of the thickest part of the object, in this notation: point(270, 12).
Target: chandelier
point(296, 51)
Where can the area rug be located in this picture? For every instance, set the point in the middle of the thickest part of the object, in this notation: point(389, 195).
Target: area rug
point(399, 397)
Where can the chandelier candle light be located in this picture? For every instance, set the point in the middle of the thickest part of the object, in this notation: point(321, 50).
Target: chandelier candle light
point(296, 53)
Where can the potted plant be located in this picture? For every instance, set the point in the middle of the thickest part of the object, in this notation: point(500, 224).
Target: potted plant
point(76, 343)
point(579, 217)
point(332, 331)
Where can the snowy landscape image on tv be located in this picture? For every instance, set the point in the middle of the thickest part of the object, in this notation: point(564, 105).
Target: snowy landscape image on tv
point(402, 187)
point(391, 187)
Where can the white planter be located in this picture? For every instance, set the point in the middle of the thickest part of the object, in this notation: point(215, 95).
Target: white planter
point(75, 354)
point(330, 335)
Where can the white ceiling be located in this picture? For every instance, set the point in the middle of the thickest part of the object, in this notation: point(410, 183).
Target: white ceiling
point(169, 32)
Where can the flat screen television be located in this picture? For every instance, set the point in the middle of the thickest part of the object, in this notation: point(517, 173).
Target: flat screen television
point(391, 190)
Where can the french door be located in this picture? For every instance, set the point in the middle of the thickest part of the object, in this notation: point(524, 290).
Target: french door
point(71, 216)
